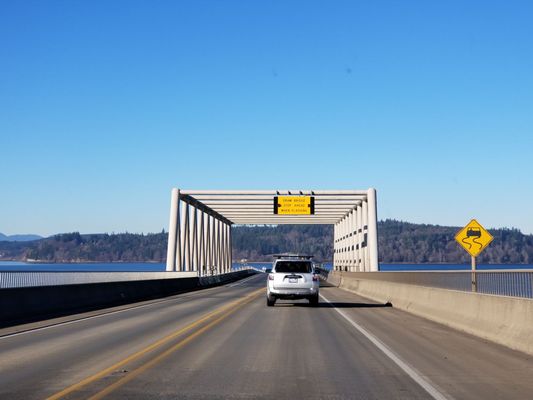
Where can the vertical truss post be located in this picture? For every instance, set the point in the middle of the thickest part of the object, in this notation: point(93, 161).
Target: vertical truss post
point(230, 257)
point(215, 245)
point(182, 236)
point(230, 247)
point(195, 240)
point(372, 230)
point(187, 240)
point(226, 249)
point(172, 231)
point(341, 244)
point(219, 247)
point(364, 227)
point(354, 241)
point(222, 248)
point(351, 243)
point(346, 241)
point(208, 246)
point(179, 251)
point(334, 245)
point(360, 266)
point(201, 249)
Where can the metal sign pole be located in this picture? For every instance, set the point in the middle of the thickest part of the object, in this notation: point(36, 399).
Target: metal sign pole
point(474, 280)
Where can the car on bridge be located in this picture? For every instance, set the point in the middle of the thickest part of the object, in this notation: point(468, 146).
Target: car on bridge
point(292, 277)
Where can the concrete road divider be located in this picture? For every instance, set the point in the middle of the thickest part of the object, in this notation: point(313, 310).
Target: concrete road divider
point(28, 304)
point(504, 320)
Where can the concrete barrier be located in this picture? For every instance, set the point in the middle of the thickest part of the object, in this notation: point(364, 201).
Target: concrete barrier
point(29, 304)
point(504, 320)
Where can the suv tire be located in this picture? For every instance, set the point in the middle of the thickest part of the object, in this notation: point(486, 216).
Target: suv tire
point(313, 301)
point(271, 300)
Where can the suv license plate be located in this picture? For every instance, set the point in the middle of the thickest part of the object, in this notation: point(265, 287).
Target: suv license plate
point(293, 280)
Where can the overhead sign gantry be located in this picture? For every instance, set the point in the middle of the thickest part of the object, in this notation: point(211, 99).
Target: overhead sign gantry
point(201, 220)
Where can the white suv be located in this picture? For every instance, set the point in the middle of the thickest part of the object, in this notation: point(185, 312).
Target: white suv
point(292, 277)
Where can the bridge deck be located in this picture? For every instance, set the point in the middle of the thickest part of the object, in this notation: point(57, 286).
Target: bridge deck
point(246, 350)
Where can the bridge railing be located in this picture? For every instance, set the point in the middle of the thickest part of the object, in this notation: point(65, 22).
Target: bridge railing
point(19, 279)
point(515, 283)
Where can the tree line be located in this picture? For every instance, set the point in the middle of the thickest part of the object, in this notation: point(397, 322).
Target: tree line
point(399, 242)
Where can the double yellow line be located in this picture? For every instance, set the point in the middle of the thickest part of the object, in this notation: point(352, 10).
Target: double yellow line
point(217, 315)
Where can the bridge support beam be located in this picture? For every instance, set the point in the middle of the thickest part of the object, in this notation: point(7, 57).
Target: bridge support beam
point(355, 237)
point(199, 238)
point(372, 232)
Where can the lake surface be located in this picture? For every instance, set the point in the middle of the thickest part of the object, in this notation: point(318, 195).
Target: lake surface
point(151, 267)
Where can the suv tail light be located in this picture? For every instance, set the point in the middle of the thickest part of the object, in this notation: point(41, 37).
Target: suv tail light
point(315, 278)
point(270, 277)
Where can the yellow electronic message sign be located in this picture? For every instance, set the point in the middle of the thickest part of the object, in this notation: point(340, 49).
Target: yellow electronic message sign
point(294, 205)
point(474, 238)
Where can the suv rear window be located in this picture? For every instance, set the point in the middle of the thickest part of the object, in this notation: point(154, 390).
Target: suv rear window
point(302, 267)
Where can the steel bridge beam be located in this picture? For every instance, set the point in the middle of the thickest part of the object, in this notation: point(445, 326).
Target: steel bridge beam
point(199, 234)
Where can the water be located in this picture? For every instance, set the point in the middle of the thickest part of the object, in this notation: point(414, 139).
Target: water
point(154, 267)
point(81, 267)
point(449, 267)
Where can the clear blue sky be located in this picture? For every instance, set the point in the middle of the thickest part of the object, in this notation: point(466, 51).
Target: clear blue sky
point(107, 105)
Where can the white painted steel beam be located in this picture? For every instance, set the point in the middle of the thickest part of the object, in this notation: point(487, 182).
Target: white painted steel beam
point(255, 221)
point(340, 213)
point(172, 231)
point(269, 207)
point(200, 225)
point(372, 230)
point(360, 237)
point(365, 237)
point(208, 198)
point(295, 192)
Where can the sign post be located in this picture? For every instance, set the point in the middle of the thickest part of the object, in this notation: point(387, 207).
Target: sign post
point(474, 239)
point(474, 281)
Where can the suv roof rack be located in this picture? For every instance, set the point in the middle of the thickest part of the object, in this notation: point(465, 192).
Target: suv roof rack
point(288, 255)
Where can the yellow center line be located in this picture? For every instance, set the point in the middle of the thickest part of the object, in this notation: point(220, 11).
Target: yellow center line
point(152, 346)
point(122, 381)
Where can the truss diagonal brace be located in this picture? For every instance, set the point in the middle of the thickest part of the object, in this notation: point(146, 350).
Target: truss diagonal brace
point(202, 207)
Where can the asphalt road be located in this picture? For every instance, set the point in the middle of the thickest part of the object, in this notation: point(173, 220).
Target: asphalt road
point(225, 343)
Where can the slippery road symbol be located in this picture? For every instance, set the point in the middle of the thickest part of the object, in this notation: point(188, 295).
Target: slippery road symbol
point(472, 233)
point(473, 237)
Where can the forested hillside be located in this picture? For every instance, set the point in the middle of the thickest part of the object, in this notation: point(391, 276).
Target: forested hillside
point(398, 242)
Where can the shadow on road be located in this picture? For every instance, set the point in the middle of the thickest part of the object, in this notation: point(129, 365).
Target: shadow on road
point(334, 305)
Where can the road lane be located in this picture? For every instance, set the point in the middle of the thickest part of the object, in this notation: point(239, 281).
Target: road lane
point(39, 363)
point(461, 365)
point(287, 351)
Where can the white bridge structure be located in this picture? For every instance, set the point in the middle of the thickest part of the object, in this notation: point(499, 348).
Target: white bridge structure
point(199, 234)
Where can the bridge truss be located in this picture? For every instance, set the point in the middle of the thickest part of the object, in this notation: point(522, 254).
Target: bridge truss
point(200, 225)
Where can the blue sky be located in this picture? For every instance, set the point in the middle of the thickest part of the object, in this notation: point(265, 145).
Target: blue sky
point(105, 106)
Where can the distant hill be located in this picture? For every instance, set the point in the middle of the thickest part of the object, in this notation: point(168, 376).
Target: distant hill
point(399, 242)
point(19, 238)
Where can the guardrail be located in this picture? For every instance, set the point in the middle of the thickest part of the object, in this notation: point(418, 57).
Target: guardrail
point(19, 279)
point(514, 283)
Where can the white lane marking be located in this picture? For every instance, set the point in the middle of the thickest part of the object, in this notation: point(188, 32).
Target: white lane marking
point(414, 374)
point(105, 314)
point(239, 283)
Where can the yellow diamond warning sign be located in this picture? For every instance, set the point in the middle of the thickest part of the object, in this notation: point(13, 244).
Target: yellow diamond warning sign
point(474, 238)
point(294, 205)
